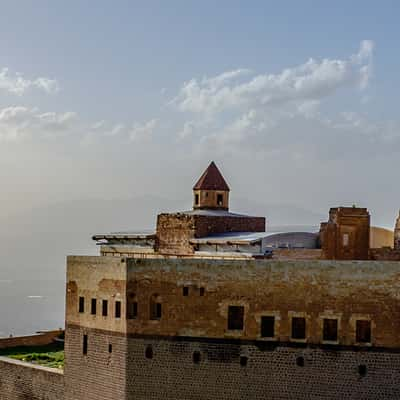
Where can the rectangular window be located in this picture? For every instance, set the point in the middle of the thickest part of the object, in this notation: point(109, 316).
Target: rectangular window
point(117, 309)
point(363, 331)
point(93, 308)
point(220, 199)
point(185, 291)
point(298, 328)
point(345, 239)
point(196, 199)
point(132, 310)
point(330, 329)
point(104, 310)
point(202, 291)
point(81, 304)
point(235, 317)
point(268, 326)
point(85, 344)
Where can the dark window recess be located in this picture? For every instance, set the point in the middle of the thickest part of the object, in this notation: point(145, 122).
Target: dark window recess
point(220, 199)
point(93, 307)
point(330, 329)
point(235, 317)
point(81, 304)
point(196, 199)
point(243, 361)
point(185, 291)
point(85, 344)
point(104, 308)
point(117, 309)
point(362, 370)
point(196, 357)
point(202, 291)
point(110, 348)
point(300, 361)
point(268, 326)
point(149, 352)
point(363, 331)
point(132, 309)
point(155, 310)
point(298, 328)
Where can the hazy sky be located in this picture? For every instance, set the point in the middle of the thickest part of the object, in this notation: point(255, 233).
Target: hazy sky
point(297, 102)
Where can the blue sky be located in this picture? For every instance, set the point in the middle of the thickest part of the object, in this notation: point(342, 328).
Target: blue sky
point(144, 93)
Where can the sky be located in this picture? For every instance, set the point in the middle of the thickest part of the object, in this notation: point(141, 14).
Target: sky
point(296, 102)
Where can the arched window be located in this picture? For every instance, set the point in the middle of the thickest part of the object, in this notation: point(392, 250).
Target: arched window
point(155, 307)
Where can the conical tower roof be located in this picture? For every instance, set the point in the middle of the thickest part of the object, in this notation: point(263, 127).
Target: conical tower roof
point(211, 179)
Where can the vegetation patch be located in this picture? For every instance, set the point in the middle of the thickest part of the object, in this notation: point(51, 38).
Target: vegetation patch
point(51, 355)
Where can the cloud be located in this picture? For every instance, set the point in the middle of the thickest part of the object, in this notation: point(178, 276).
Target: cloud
point(18, 123)
point(142, 131)
point(311, 81)
point(18, 85)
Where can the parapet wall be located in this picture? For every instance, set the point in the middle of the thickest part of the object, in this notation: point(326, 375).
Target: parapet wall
point(23, 381)
point(40, 339)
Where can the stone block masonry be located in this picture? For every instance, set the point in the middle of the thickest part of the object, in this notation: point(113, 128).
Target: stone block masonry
point(23, 381)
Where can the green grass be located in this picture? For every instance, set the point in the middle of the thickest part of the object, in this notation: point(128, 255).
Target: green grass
point(51, 355)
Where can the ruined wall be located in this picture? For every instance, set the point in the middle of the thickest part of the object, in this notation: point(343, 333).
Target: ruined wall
point(39, 339)
point(175, 230)
point(20, 381)
point(384, 254)
point(297, 254)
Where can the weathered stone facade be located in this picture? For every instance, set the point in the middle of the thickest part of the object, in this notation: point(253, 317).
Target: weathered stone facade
point(346, 235)
point(189, 352)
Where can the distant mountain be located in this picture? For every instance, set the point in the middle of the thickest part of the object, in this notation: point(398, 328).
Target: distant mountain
point(33, 245)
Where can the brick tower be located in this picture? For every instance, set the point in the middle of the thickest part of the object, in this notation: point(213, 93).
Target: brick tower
point(397, 233)
point(211, 191)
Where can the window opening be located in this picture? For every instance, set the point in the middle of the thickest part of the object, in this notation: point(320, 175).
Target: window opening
point(85, 344)
point(330, 329)
point(81, 304)
point(104, 310)
point(185, 291)
point(268, 326)
point(117, 309)
point(298, 328)
point(363, 331)
point(235, 317)
point(93, 307)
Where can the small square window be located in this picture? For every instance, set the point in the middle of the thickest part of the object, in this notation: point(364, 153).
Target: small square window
point(363, 331)
point(235, 317)
point(330, 329)
point(298, 328)
point(268, 326)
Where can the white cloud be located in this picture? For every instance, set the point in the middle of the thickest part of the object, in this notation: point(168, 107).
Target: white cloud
point(18, 85)
point(142, 131)
point(312, 81)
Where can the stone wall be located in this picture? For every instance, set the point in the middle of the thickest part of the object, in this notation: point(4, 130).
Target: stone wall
point(40, 339)
point(225, 369)
point(23, 381)
point(99, 374)
point(175, 230)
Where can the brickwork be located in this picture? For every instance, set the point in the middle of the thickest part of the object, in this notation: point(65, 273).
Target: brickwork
point(346, 235)
point(175, 230)
point(23, 381)
point(98, 375)
point(384, 254)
